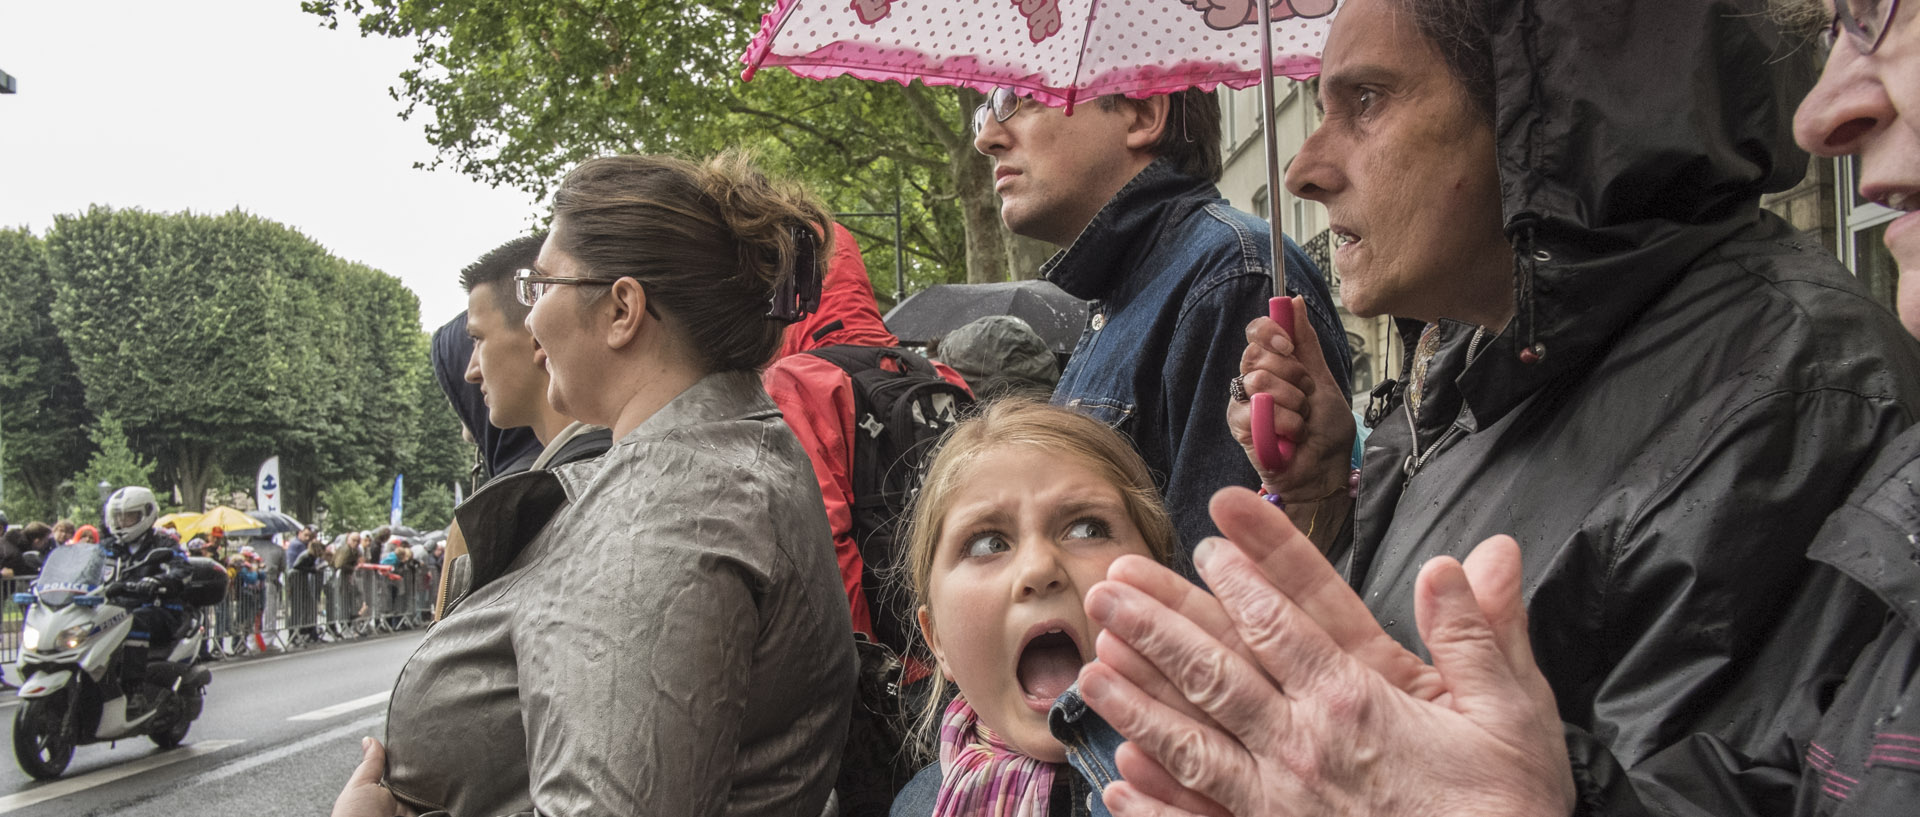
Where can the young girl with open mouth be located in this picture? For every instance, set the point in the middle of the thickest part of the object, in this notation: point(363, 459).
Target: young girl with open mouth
point(1021, 512)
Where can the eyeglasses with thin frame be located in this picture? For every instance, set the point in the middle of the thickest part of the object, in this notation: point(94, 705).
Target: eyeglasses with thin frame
point(529, 285)
point(1864, 21)
point(1003, 103)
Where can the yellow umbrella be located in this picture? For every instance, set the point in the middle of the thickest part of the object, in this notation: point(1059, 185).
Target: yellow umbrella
point(177, 521)
point(191, 524)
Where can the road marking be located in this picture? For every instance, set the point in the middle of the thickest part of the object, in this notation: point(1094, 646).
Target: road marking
point(221, 666)
point(337, 710)
point(251, 762)
point(62, 788)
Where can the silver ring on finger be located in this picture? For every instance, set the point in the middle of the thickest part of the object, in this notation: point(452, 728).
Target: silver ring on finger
point(1237, 389)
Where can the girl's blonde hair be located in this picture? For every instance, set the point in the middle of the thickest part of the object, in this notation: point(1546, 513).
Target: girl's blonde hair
point(1022, 422)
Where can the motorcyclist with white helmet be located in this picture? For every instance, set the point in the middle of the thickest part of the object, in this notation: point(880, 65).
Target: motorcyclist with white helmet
point(131, 512)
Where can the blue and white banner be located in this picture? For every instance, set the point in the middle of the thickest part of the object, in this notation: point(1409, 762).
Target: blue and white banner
point(393, 516)
point(266, 486)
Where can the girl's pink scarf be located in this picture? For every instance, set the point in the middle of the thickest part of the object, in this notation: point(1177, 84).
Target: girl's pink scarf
point(980, 776)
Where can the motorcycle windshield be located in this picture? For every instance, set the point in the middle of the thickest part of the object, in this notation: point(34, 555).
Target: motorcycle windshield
point(70, 570)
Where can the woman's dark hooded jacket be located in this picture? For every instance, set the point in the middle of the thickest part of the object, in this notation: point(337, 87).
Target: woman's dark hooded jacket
point(1712, 384)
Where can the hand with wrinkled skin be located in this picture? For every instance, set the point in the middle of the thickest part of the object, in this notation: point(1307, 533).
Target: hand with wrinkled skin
point(1308, 407)
point(1330, 716)
point(363, 795)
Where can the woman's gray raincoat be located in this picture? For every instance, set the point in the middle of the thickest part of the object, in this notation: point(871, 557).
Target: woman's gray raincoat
point(674, 641)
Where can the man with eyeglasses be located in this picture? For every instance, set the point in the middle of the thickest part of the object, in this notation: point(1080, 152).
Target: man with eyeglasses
point(1125, 188)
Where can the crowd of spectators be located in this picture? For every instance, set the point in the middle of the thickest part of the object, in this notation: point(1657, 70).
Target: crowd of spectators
point(284, 590)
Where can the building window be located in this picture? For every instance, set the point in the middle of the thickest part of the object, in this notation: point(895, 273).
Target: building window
point(1363, 375)
point(1862, 239)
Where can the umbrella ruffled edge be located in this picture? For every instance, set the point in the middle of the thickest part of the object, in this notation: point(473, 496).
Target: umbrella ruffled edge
point(904, 65)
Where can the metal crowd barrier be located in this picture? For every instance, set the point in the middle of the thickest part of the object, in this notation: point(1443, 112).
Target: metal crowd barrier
point(12, 617)
point(285, 610)
point(282, 610)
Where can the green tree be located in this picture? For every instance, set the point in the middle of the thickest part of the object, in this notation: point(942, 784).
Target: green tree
point(43, 412)
point(521, 90)
point(114, 463)
point(354, 504)
point(386, 342)
point(187, 356)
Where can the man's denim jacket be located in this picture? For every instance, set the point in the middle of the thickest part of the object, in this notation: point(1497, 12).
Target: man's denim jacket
point(1090, 743)
point(1174, 275)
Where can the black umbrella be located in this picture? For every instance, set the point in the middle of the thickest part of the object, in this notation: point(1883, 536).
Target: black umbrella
point(930, 314)
point(274, 522)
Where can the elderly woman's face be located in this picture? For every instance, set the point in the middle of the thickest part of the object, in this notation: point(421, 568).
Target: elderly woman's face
point(1405, 166)
point(1856, 109)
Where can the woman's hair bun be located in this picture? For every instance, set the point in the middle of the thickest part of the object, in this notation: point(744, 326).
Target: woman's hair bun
point(764, 216)
point(710, 242)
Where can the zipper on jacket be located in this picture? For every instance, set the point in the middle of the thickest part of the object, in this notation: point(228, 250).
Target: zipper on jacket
point(1415, 462)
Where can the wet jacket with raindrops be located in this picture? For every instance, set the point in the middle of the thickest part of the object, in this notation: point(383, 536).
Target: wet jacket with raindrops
point(1710, 385)
point(1862, 757)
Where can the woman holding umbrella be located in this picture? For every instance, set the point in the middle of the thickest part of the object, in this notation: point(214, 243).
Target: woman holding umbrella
point(670, 634)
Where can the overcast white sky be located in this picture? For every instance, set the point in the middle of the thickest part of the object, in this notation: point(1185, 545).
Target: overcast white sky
point(205, 105)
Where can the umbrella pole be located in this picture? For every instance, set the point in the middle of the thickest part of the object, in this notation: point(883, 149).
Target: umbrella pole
point(1273, 451)
point(1279, 259)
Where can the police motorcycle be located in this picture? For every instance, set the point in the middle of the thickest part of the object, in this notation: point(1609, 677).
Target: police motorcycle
point(79, 684)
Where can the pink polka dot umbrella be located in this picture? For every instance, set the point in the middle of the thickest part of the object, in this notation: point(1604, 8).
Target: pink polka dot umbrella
point(1058, 51)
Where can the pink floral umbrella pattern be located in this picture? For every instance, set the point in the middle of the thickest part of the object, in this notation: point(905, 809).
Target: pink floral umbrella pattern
point(1059, 51)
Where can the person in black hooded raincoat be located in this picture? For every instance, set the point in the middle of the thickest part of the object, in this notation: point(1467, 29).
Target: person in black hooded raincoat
point(1679, 391)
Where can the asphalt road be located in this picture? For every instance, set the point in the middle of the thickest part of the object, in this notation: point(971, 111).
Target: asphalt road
point(278, 737)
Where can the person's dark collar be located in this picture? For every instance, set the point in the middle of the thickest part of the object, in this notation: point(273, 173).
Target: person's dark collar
point(1123, 230)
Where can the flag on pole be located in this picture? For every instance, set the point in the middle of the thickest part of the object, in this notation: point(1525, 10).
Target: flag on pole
point(393, 516)
point(266, 486)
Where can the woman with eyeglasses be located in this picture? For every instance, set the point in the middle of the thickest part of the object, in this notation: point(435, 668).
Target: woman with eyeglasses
point(661, 630)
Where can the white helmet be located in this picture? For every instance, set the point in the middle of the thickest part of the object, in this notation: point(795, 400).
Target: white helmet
point(130, 512)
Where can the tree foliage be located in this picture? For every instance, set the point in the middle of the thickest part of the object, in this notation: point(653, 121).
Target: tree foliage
point(353, 504)
point(520, 90)
point(43, 412)
point(114, 464)
point(207, 343)
point(170, 320)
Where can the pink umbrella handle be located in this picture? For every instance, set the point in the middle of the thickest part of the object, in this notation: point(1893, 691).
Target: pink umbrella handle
point(1273, 450)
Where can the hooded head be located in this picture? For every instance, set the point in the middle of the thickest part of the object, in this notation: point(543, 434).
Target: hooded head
point(1001, 354)
point(1599, 147)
